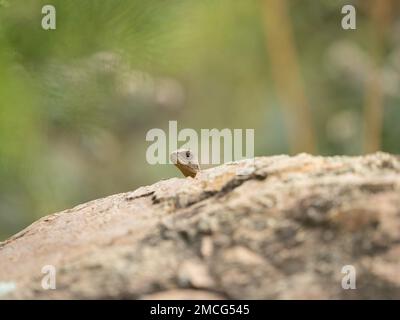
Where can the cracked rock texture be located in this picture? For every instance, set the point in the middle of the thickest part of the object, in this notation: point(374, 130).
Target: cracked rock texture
point(267, 228)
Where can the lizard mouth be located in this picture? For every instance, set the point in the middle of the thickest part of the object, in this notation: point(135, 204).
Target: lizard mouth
point(174, 158)
point(186, 169)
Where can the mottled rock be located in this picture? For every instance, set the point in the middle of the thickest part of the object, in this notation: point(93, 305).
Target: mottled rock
point(271, 227)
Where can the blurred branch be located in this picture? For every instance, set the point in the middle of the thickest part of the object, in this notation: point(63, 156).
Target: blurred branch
point(286, 75)
point(380, 13)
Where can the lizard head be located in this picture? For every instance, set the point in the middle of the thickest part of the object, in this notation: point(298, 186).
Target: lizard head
point(186, 161)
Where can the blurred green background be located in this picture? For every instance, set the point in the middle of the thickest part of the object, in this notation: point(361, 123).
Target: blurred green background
point(76, 102)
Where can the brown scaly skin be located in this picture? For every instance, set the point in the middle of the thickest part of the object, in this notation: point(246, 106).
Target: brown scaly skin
point(186, 162)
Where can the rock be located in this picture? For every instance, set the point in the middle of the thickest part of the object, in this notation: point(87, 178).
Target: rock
point(266, 228)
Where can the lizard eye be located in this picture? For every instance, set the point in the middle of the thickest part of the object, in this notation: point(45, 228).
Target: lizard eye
point(187, 154)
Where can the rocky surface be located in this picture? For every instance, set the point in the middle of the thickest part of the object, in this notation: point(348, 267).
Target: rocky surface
point(272, 228)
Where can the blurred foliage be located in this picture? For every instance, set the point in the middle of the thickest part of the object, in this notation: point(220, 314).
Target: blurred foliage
point(76, 102)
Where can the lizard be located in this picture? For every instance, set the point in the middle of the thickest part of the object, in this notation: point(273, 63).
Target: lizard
point(186, 161)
